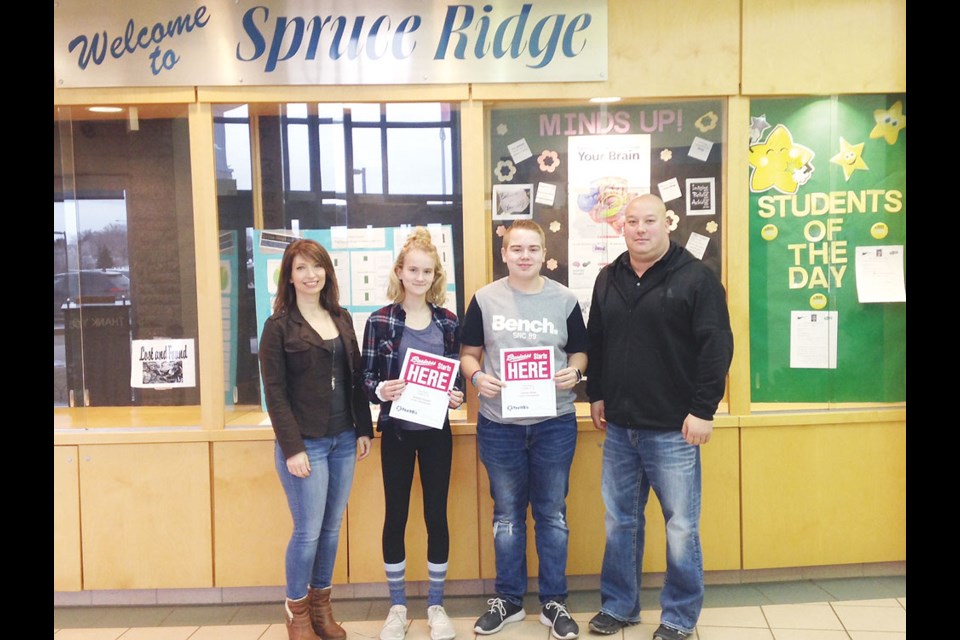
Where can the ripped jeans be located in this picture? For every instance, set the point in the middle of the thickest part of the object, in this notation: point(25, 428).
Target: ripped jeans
point(529, 465)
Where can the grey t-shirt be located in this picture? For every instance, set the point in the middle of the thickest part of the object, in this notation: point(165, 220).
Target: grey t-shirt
point(500, 317)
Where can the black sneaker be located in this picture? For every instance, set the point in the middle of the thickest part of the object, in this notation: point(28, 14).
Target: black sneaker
point(605, 624)
point(501, 612)
point(555, 616)
point(666, 633)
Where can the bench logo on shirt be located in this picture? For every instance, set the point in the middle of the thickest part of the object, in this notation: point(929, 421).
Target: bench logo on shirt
point(523, 328)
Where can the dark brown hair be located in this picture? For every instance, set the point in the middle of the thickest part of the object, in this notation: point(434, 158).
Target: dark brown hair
point(314, 252)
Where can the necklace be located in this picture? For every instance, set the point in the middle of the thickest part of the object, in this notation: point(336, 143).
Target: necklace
point(333, 367)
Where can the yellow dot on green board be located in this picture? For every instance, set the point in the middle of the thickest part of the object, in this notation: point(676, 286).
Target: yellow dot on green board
point(276, 276)
point(769, 231)
point(818, 301)
point(224, 278)
point(879, 230)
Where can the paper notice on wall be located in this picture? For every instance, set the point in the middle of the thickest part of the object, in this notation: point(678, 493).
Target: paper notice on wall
point(813, 339)
point(880, 274)
point(163, 363)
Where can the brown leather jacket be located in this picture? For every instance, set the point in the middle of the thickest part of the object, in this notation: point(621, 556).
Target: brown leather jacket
point(296, 370)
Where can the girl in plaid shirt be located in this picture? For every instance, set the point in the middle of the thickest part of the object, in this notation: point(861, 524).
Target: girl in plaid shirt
point(415, 320)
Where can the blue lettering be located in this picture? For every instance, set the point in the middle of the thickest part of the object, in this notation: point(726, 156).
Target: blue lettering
point(278, 35)
point(516, 44)
point(551, 47)
point(88, 49)
point(256, 38)
point(448, 29)
point(401, 31)
point(133, 39)
point(336, 50)
point(372, 52)
point(482, 47)
point(572, 29)
point(316, 27)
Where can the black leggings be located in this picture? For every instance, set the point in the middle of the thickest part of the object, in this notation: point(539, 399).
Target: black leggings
point(433, 450)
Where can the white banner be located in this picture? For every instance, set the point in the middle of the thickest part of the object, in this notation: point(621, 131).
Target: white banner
point(113, 43)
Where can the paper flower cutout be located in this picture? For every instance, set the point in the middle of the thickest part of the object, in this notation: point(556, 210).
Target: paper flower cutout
point(712, 226)
point(505, 170)
point(666, 154)
point(554, 226)
point(502, 129)
point(775, 162)
point(549, 161)
point(552, 264)
point(707, 122)
point(889, 122)
point(674, 220)
point(849, 158)
point(757, 126)
point(501, 230)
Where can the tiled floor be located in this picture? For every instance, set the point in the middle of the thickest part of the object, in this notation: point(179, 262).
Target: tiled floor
point(836, 609)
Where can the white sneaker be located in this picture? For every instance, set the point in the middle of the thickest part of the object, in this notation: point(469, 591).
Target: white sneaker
point(440, 626)
point(396, 625)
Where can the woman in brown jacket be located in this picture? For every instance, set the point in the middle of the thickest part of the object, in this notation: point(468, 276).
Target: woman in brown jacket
point(311, 368)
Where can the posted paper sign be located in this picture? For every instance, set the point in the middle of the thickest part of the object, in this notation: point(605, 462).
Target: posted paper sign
point(163, 363)
point(429, 380)
point(530, 391)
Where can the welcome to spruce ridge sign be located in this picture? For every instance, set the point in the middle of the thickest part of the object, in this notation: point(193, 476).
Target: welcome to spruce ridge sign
point(278, 42)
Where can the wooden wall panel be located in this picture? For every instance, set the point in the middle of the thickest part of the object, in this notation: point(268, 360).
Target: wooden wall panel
point(145, 516)
point(822, 494)
point(67, 573)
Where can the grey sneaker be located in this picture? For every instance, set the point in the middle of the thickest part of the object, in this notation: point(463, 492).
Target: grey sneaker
point(501, 612)
point(664, 632)
point(556, 616)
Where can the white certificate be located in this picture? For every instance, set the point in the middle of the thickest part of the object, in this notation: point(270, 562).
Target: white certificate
point(426, 397)
point(530, 391)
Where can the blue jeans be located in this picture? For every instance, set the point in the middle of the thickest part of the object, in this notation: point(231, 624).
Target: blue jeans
point(634, 460)
point(529, 465)
point(317, 503)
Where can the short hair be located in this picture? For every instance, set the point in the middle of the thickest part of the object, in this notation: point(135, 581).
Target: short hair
point(529, 225)
point(313, 251)
point(420, 240)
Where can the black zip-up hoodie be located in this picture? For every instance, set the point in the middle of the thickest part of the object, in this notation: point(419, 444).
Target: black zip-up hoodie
point(660, 345)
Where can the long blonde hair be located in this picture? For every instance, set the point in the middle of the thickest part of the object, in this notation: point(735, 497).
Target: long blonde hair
point(419, 239)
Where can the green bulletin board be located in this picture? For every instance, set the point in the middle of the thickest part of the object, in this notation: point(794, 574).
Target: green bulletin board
point(828, 249)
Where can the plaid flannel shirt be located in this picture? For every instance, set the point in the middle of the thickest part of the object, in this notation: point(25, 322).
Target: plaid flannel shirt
point(381, 348)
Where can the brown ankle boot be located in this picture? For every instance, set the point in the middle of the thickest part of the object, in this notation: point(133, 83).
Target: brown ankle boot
point(321, 615)
point(298, 620)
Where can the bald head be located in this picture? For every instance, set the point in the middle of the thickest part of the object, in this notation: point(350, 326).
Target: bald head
point(648, 201)
point(645, 229)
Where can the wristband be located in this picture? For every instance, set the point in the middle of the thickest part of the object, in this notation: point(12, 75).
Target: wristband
point(579, 374)
point(473, 378)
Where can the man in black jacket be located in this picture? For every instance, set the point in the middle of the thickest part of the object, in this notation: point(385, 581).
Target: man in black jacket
point(660, 349)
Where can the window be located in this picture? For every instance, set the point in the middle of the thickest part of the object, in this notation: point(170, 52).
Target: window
point(123, 255)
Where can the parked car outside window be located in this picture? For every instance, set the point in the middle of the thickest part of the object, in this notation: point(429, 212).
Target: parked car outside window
point(100, 285)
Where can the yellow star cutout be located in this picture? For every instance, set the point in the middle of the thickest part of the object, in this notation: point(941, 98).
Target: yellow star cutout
point(775, 162)
point(849, 158)
point(889, 123)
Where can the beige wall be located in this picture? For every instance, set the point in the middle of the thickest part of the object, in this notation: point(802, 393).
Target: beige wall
point(201, 506)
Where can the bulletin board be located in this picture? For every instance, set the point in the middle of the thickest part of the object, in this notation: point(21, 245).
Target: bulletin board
point(573, 170)
point(828, 249)
point(362, 259)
